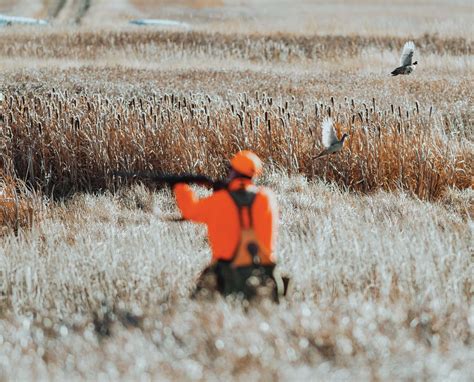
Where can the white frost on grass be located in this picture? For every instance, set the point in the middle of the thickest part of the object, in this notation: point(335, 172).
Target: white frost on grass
point(380, 281)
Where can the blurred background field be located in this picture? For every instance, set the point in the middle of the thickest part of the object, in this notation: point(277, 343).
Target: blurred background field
point(350, 17)
point(95, 278)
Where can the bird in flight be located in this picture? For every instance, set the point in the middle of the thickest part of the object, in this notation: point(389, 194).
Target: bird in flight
point(329, 138)
point(406, 60)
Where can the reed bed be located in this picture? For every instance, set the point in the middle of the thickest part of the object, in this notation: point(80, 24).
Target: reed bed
point(60, 142)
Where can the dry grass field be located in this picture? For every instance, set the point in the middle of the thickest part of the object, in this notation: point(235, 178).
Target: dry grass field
point(95, 275)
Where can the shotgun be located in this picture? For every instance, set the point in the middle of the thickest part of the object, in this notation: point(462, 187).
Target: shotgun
point(172, 179)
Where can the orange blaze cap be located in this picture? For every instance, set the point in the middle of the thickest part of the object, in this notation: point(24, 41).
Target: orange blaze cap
point(247, 163)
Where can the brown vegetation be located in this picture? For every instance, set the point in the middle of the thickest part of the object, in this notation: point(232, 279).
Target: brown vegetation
point(18, 205)
point(255, 47)
point(66, 142)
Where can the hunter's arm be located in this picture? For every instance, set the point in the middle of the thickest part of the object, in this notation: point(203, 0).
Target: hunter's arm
point(191, 207)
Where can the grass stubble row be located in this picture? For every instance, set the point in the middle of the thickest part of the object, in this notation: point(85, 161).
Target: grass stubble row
point(270, 47)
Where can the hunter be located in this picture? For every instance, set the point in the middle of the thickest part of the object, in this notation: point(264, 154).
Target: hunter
point(242, 221)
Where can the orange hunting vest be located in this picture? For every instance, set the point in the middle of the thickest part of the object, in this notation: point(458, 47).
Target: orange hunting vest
point(237, 219)
point(249, 250)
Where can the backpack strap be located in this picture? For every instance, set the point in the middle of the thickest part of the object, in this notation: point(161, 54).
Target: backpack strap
point(244, 199)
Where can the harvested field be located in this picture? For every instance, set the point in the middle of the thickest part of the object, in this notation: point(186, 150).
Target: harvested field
point(95, 273)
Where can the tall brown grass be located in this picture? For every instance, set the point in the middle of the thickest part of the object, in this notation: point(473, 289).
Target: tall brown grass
point(61, 143)
point(18, 205)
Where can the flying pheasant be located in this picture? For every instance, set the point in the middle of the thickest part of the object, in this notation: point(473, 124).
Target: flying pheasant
point(406, 64)
point(329, 138)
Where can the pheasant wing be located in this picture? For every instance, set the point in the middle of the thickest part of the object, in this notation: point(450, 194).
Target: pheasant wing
point(407, 54)
point(329, 134)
